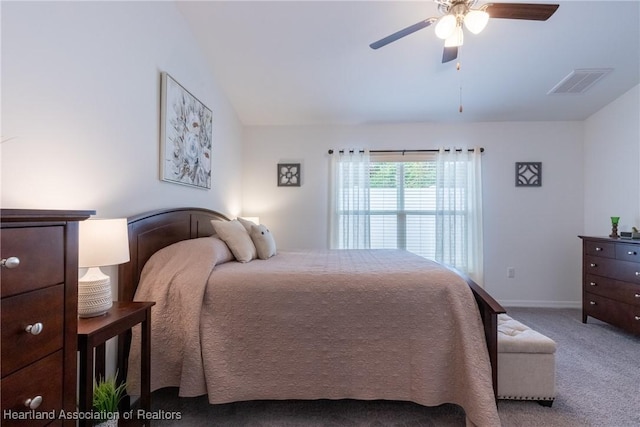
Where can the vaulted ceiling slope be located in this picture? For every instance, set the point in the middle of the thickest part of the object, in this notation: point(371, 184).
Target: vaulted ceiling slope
point(309, 62)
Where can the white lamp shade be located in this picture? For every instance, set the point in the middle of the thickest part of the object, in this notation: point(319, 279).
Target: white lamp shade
point(103, 242)
point(456, 39)
point(446, 26)
point(476, 20)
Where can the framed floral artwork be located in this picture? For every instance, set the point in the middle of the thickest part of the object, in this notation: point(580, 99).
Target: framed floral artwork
point(185, 136)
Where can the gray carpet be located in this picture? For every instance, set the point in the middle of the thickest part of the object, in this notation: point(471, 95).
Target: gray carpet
point(597, 382)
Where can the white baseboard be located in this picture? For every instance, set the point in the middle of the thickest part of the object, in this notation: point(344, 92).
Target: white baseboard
point(541, 304)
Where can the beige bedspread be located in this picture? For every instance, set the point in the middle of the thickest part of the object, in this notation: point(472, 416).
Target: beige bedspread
point(361, 324)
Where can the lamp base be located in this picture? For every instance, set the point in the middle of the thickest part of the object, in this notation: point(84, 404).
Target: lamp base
point(94, 293)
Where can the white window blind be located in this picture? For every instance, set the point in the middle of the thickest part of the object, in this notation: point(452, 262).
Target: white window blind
point(403, 202)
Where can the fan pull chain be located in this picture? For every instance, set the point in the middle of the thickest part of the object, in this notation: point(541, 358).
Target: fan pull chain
point(460, 76)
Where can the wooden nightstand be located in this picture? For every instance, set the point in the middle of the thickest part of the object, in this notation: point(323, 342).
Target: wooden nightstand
point(95, 331)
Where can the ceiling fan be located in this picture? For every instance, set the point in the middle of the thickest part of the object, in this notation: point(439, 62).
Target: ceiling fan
point(455, 13)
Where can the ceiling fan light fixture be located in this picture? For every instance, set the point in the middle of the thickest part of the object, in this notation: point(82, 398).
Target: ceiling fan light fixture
point(446, 26)
point(476, 20)
point(456, 39)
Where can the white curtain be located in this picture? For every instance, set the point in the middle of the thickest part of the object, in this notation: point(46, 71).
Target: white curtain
point(459, 211)
point(349, 192)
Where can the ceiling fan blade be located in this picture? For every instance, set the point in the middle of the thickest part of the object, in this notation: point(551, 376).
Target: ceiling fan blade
point(402, 33)
point(528, 11)
point(449, 54)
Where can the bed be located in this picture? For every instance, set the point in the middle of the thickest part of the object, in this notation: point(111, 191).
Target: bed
point(302, 325)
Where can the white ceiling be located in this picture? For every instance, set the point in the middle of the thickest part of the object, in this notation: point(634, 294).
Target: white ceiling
point(309, 62)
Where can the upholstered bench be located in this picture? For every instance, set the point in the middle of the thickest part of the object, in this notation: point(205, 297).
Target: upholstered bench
point(526, 363)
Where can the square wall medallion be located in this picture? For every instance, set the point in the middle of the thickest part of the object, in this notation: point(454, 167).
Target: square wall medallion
point(288, 174)
point(528, 174)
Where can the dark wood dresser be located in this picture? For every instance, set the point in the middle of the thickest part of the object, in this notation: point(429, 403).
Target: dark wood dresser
point(611, 281)
point(39, 287)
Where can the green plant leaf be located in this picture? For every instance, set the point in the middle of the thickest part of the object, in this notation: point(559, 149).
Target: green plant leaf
point(107, 394)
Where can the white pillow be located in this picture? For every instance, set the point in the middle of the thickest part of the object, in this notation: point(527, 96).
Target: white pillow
point(246, 223)
point(223, 253)
point(263, 241)
point(236, 237)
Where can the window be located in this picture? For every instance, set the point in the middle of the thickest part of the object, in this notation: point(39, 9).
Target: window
point(426, 203)
point(403, 204)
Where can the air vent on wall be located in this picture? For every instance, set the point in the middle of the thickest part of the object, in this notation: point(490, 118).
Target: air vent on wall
point(578, 81)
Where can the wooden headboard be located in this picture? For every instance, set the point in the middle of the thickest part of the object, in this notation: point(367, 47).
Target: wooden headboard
point(149, 232)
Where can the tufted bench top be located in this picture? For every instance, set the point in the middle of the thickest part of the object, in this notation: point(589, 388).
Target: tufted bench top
point(514, 337)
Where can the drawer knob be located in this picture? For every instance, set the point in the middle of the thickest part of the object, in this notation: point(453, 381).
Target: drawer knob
point(598, 249)
point(632, 253)
point(637, 273)
point(593, 284)
point(637, 295)
point(34, 329)
point(11, 262)
point(33, 403)
point(637, 317)
point(592, 302)
point(592, 265)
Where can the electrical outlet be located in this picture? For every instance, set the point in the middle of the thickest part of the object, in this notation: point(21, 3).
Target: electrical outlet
point(511, 272)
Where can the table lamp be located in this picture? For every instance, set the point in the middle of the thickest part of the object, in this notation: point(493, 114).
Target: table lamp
point(102, 242)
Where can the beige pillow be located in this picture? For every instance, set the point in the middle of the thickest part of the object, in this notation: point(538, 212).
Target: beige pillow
point(263, 241)
point(246, 223)
point(223, 253)
point(236, 237)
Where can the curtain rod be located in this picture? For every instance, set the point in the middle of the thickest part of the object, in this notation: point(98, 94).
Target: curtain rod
point(407, 151)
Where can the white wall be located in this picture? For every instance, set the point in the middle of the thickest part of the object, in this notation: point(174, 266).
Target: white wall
point(612, 166)
point(533, 230)
point(81, 99)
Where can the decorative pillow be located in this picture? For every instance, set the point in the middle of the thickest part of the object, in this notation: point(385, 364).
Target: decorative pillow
point(263, 241)
point(236, 237)
point(246, 223)
point(223, 253)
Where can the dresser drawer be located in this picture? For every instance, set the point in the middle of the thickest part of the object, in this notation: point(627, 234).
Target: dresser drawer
point(625, 271)
point(19, 347)
point(603, 267)
point(597, 248)
point(41, 254)
point(616, 313)
point(620, 291)
point(43, 378)
point(628, 252)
